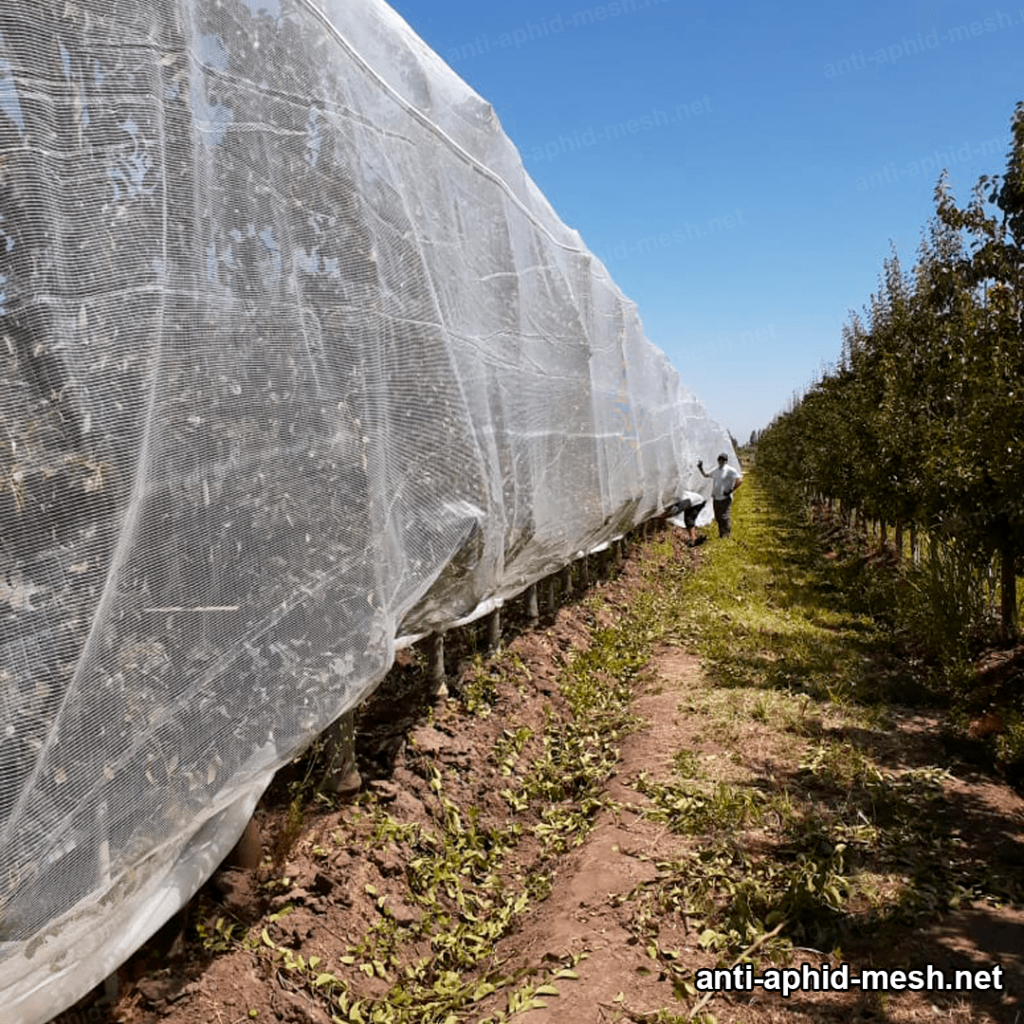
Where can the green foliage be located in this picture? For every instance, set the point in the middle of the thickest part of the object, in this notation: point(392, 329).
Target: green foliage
point(922, 421)
point(847, 843)
point(220, 935)
point(1010, 744)
point(479, 693)
point(946, 603)
point(691, 809)
point(686, 763)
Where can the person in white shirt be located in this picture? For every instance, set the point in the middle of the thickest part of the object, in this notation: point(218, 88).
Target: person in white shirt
point(724, 481)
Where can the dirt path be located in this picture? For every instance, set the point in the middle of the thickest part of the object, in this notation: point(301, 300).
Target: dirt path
point(590, 913)
point(600, 930)
point(618, 979)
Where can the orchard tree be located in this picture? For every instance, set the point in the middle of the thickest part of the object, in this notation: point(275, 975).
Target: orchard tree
point(944, 346)
point(924, 418)
point(895, 414)
point(992, 441)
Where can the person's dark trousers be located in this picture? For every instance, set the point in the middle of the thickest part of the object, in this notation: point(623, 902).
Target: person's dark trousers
point(690, 515)
point(723, 516)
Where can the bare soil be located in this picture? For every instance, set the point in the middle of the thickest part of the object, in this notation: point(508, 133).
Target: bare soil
point(325, 869)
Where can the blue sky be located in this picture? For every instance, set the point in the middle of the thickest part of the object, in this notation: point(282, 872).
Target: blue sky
point(741, 168)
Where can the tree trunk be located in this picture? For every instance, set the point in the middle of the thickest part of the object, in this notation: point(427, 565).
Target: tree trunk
point(565, 581)
point(435, 665)
point(494, 631)
point(532, 605)
point(550, 595)
point(342, 776)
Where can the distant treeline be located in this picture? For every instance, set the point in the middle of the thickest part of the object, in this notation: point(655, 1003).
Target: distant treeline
point(921, 423)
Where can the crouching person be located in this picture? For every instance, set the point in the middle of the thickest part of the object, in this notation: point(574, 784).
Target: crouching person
point(689, 504)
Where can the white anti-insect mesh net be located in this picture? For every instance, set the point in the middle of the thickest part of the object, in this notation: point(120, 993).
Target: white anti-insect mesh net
point(297, 360)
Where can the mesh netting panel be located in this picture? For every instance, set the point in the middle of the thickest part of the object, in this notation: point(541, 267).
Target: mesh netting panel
point(297, 361)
